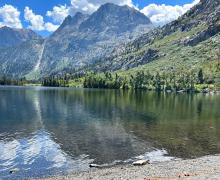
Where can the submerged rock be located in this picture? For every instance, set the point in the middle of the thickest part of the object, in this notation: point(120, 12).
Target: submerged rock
point(140, 162)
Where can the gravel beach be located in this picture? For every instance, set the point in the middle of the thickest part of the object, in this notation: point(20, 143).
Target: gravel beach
point(207, 167)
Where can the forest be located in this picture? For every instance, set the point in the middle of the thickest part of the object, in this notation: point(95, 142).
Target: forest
point(56, 81)
point(12, 81)
point(187, 81)
point(192, 81)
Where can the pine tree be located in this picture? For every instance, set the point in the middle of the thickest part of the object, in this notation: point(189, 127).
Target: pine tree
point(200, 77)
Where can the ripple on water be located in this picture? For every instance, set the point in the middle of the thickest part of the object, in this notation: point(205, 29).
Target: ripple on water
point(37, 156)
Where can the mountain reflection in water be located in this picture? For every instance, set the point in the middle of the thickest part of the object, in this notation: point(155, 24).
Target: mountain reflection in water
point(45, 131)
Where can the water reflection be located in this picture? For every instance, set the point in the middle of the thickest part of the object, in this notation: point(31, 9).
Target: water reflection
point(46, 131)
point(37, 156)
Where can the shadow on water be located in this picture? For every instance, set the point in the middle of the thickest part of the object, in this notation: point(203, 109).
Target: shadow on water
point(52, 130)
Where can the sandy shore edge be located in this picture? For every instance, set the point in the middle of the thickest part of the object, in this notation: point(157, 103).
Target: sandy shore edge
point(207, 167)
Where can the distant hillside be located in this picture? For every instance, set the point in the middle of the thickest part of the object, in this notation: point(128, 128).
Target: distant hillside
point(14, 37)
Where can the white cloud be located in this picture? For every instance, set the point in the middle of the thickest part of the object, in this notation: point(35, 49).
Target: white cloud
point(51, 27)
point(163, 14)
point(59, 13)
point(37, 21)
point(10, 16)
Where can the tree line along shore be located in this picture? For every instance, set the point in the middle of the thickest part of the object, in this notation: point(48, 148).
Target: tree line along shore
point(170, 82)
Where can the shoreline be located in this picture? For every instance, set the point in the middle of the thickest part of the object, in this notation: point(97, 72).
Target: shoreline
point(207, 167)
point(205, 92)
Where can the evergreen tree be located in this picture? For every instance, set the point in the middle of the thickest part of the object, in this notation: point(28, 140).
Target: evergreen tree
point(157, 82)
point(200, 77)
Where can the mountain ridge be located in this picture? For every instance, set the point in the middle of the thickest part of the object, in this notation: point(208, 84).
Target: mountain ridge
point(13, 37)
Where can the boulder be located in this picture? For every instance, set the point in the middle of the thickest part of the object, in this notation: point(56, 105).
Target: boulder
point(140, 162)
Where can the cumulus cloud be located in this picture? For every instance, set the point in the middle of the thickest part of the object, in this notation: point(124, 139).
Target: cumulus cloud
point(58, 13)
point(163, 14)
point(10, 16)
point(37, 21)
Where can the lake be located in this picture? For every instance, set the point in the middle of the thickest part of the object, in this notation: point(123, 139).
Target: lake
point(49, 131)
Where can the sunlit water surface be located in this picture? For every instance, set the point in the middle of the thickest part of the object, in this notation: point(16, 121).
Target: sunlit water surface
point(49, 131)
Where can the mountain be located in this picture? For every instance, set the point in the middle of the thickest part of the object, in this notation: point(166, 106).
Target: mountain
point(14, 37)
point(70, 23)
point(18, 61)
point(121, 39)
point(19, 51)
point(80, 41)
point(187, 44)
point(114, 20)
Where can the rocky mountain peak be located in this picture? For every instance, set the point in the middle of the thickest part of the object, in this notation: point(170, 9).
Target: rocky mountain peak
point(73, 21)
point(12, 37)
point(109, 7)
point(115, 18)
point(204, 9)
point(5, 28)
point(80, 15)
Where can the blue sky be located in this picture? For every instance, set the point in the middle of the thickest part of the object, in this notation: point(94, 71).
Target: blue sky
point(143, 3)
point(41, 6)
point(36, 15)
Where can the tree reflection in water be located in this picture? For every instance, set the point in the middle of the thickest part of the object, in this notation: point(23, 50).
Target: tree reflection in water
point(51, 129)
